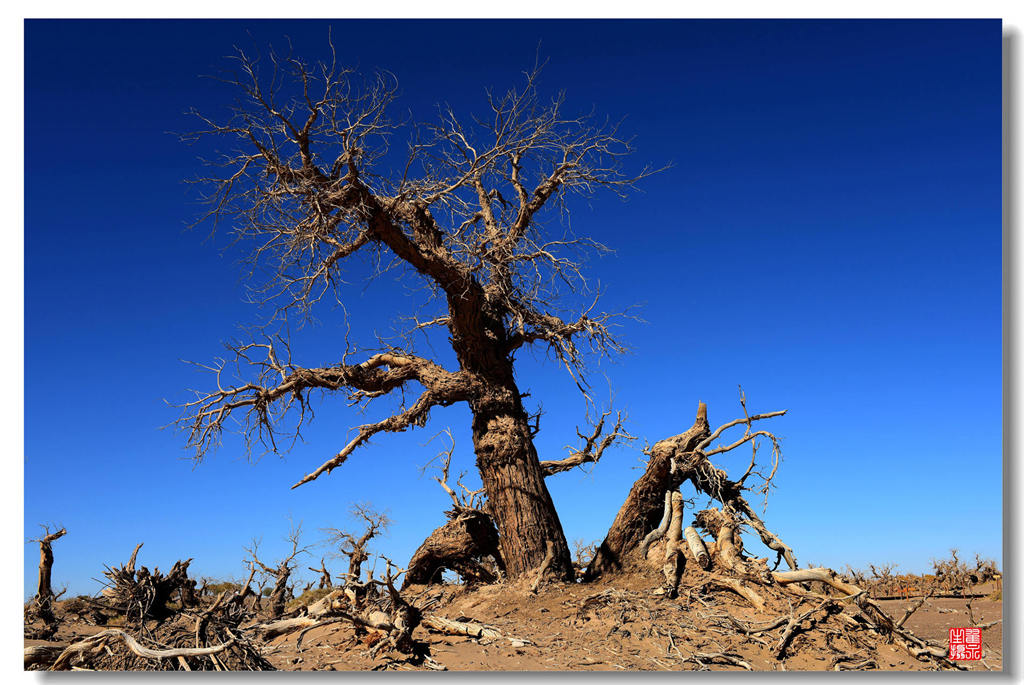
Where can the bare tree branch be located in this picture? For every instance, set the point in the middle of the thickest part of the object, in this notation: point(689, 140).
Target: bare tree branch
point(594, 445)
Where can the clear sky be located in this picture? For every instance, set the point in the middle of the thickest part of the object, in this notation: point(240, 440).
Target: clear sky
point(828, 236)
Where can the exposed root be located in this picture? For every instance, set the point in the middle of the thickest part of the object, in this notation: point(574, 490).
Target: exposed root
point(544, 566)
point(675, 560)
point(659, 532)
point(733, 585)
point(460, 545)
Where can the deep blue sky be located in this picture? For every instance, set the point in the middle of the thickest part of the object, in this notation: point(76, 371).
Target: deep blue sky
point(828, 237)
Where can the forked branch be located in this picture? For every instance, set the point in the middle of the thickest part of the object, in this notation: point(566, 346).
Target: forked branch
point(466, 500)
point(594, 445)
point(277, 386)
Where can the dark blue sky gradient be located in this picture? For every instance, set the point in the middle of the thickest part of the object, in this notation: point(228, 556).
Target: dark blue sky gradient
point(828, 236)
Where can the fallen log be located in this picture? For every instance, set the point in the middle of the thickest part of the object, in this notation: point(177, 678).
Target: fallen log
point(97, 641)
point(446, 625)
point(43, 655)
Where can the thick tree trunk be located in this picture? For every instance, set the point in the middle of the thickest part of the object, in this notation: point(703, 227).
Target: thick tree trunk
point(646, 500)
point(278, 598)
point(517, 497)
point(355, 565)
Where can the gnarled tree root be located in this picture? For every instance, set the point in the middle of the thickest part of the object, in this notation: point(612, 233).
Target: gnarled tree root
point(458, 545)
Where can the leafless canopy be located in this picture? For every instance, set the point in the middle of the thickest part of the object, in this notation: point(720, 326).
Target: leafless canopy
point(313, 185)
point(286, 564)
point(355, 546)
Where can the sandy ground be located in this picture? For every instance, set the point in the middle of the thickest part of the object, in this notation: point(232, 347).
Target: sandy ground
point(618, 625)
point(611, 627)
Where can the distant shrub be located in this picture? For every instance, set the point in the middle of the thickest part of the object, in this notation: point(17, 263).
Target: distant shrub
point(228, 586)
point(308, 597)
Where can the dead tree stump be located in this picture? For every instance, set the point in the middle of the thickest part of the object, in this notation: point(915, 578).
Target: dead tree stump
point(42, 604)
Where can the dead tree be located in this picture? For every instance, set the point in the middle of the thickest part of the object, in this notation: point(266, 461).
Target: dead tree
point(984, 570)
point(238, 599)
point(645, 503)
point(281, 573)
point(42, 604)
point(724, 565)
point(139, 594)
point(355, 548)
point(192, 639)
point(465, 216)
point(385, 612)
point(583, 552)
point(686, 458)
point(324, 578)
point(883, 580)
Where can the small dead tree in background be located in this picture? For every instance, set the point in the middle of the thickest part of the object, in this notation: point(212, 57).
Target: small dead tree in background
point(356, 548)
point(583, 553)
point(882, 579)
point(281, 572)
point(465, 215)
point(139, 594)
point(324, 578)
point(42, 604)
point(984, 570)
